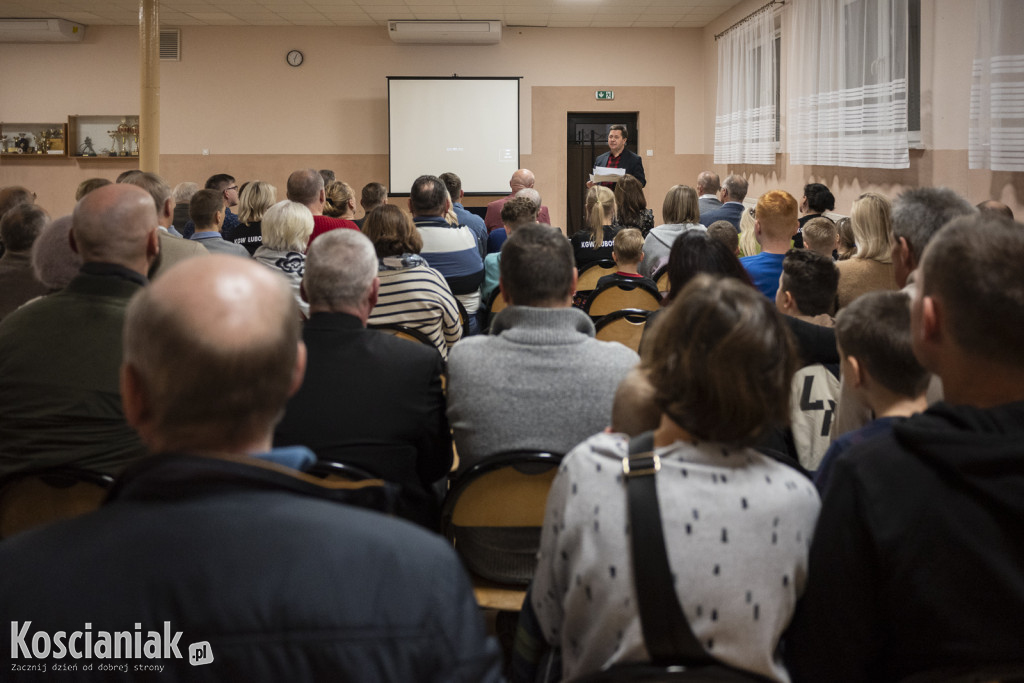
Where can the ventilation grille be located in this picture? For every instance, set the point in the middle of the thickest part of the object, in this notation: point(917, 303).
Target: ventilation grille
point(170, 45)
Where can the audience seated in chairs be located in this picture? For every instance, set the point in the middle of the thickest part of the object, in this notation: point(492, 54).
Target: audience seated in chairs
point(627, 252)
point(915, 545)
point(369, 399)
point(19, 229)
point(412, 294)
point(807, 291)
point(681, 215)
point(60, 401)
point(594, 243)
point(286, 228)
point(254, 201)
point(873, 335)
point(516, 211)
point(281, 573)
point(736, 522)
point(540, 357)
point(631, 206)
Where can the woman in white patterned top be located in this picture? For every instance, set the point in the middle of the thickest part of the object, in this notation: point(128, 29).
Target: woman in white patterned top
point(737, 524)
point(411, 293)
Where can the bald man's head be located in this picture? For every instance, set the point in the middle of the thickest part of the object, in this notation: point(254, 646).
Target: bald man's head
point(116, 224)
point(211, 354)
point(521, 179)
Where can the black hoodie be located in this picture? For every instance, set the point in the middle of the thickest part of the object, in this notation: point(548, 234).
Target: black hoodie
point(918, 558)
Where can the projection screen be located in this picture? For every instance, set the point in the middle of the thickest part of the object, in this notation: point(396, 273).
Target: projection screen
point(467, 126)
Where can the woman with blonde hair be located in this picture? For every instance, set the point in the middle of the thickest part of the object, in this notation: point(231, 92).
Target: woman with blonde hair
point(411, 293)
point(253, 201)
point(341, 200)
point(749, 246)
point(631, 206)
point(870, 269)
point(736, 523)
point(594, 243)
point(681, 213)
point(286, 227)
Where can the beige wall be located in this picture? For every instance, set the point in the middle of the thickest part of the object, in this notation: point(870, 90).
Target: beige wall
point(947, 51)
point(233, 94)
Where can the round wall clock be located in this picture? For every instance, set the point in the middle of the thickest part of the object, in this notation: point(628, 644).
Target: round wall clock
point(294, 58)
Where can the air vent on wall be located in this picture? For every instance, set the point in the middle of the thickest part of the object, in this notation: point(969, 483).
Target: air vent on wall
point(170, 45)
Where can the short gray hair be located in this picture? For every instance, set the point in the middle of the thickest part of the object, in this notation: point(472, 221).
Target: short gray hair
point(340, 268)
point(918, 214)
point(532, 194)
point(286, 226)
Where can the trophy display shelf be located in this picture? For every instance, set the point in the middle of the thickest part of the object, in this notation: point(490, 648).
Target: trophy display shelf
point(103, 137)
point(43, 140)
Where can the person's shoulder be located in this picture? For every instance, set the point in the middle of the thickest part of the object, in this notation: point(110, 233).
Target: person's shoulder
point(600, 450)
point(469, 350)
point(614, 353)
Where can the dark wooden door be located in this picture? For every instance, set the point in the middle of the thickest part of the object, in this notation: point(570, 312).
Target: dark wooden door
point(588, 139)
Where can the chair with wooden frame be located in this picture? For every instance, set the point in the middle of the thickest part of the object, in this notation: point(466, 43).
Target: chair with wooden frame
point(661, 279)
point(614, 297)
point(501, 498)
point(625, 326)
point(495, 305)
point(589, 276)
point(33, 498)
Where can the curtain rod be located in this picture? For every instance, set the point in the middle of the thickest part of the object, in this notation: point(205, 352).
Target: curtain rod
point(750, 16)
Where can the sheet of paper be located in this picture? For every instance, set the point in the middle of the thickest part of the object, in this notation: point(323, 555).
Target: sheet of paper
point(603, 174)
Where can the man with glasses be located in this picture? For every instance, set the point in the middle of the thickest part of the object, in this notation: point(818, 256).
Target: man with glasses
point(226, 185)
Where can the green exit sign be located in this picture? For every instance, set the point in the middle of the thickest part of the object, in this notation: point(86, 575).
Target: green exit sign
point(605, 95)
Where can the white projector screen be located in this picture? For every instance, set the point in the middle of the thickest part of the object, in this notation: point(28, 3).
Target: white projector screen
point(466, 126)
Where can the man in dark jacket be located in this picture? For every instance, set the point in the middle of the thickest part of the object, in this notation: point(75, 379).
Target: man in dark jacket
point(207, 563)
point(620, 157)
point(917, 563)
point(354, 372)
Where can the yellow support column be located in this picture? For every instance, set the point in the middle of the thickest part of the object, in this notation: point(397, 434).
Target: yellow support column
point(149, 92)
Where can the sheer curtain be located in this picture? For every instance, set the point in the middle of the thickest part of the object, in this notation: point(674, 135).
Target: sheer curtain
point(996, 139)
point(745, 115)
point(847, 83)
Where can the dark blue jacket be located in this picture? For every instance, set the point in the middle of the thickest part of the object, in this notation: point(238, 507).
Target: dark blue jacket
point(283, 580)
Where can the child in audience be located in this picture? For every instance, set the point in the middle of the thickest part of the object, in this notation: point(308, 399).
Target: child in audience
point(628, 252)
point(724, 232)
point(634, 410)
point(516, 211)
point(847, 246)
point(878, 364)
point(821, 236)
point(807, 286)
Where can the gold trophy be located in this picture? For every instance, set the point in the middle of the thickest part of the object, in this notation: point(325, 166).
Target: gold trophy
point(135, 137)
point(3, 144)
point(42, 141)
point(123, 133)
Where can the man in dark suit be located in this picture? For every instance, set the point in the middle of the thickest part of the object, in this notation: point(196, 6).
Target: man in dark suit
point(620, 157)
point(733, 192)
point(708, 187)
point(369, 399)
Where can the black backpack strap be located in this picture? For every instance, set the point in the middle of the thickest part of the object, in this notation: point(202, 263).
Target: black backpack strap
point(667, 633)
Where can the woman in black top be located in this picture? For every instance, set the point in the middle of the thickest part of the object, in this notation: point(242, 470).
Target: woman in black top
point(594, 242)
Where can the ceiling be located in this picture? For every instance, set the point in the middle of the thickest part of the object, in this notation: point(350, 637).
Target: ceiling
point(549, 13)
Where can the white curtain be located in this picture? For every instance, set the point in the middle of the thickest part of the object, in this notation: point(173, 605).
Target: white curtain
point(996, 138)
point(847, 83)
point(745, 116)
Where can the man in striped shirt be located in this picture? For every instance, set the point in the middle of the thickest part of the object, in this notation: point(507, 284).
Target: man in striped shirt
point(452, 250)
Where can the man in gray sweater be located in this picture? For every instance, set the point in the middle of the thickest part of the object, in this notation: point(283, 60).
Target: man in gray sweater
point(539, 380)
